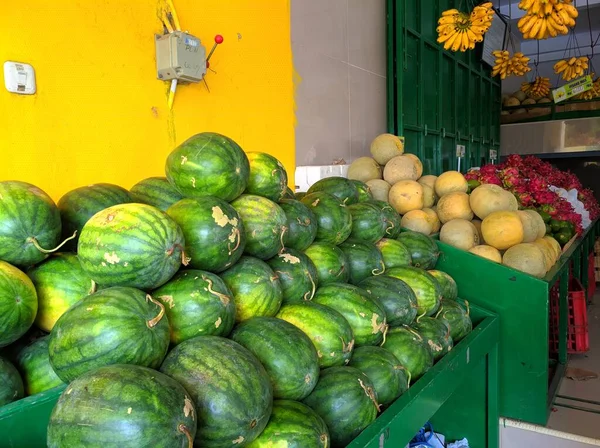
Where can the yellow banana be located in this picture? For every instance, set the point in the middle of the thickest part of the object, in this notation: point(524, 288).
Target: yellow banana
point(542, 31)
point(450, 41)
point(457, 42)
point(536, 27)
point(451, 12)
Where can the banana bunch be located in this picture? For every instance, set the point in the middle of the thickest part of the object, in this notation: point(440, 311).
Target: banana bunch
point(461, 31)
point(594, 92)
point(506, 66)
point(571, 69)
point(519, 64)
point(546, 18)
point(537, 89)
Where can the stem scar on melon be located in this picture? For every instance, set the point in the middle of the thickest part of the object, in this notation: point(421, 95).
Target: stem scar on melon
point(188, 408)
point(239, 440)
point(289, 258)
point(169, 300)
point(218, 322)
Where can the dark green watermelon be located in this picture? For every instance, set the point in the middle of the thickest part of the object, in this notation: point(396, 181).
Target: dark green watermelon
point(18, 303)
point(293, 425)
point(411, 350)
point(391, 217)
point(289, 194)
point(264, 224)
point(365, 316)
point(197, 303)
point(301, 224)
point(113, 326)
point(299, 195)
point(133, 245)
point(11, 384)
point(394, 253)
point(268, 177)
point(447, 284)
point(208, 164)
point(331, 263)
point(423, 284)
point(364, 192)
point(340, 187)
point(287, 354)
point(30, 223)
point(368, 223)
point(394, 296)
point(333, 217)
point(364, 260)
point(384, 370)
point(11, 351)
point(256, 288)
point(457, 318)
point(436, 334)
point(214, 233)
point(231, 389)
point(346, 400)
point(297, 274)
point(126, 406)
point(423, 250)
point(329, 331)
point(33, 362)
point(155, 191)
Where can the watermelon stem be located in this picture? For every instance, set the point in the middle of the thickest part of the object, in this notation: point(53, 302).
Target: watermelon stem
point(35, 243)
point(153, 322)
point(377, 271)
point(238, 238)
point(182, 428)
point(419, 317)
point(409, 377)
point(413, 331)
point(313, 290)
point(370, 393)
point(224, 298)
point(468, 307)
point(386, 327)
point(283, 230)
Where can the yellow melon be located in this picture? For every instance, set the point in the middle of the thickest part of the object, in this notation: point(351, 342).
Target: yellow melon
point(541, 225)
point(526, 257)
point(418, 163)
point(454, 206)
point(380, 189)
point(555, 246)
point(406, 195)
point(530, 227)
point(489, 198)
point(417, 221)
point(400, 168)
point(386, 146)
point(547, 251)
point(489, 252)
point(364, 169)
point(502, 230)
point(432, 217)
point(428, 196)
point(459, 233)
point(428, 180)
point(477, 224)
point(450, 182)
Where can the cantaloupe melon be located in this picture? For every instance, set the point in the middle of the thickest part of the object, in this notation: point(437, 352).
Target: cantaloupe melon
point(364, 169)
point(502, 230)
point(555, 246)
point(526, 257)
point(520, 95)
point(459, 233)
point(380, 189)
point(406, 195)
point(418, 163)
point(429, 179)
point(489, 252)
point(454, 206)
point(548, 251)
point(530, 227)
point(428, 196)
point(541, 225)
point(400, 168)
point(450, 182)
point(417, 221)
point(488, 198)
point(385, 147)
point(477, 224)
point(432, 217)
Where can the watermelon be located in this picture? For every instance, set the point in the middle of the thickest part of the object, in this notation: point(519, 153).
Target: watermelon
point(267, 178)
point(423, 284)
point(391, 218)
point(293, 425)
point(297, 274)
point(256, 288)
point(364, 192)
point(213, 231)
point(436, 334)
point(340, 187)
point(394, 253)
point(124, 406)
point(423, 250)
point(197, 303)
point(368, 223)
point(231, 389)
point(394, 296)
point(11, 384)
point(328, 330)
point(447, 284)
point(411, 350)
point(366, 318)
point(384, 370)
point(155, 191)
point(33, 362)
point(264, 224)
point(18, 303)
point(30, 224)
point(289, 194)
point(333, 217)
point(133, 245)
point(79, 205)
point(346, 400)
point(331, 263)
point(364, 260)
point(287, 354)
point(117, 325)
point(208, 164)
point(60, 282)
point(301, 224)
point(11, 352)
point(456, 318)
point(299, 195)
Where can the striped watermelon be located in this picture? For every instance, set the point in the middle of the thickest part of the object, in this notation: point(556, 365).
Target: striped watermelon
point(394, 253)
point(329, 331)
point(384, 370)
point(423, 250)
point(289, 194)
point(133, 245)
point(123, 405)
point(299, 195)
point(436, 334)
point(364, 260)
point(331, 263)
point(368, 223)
point(208, 164)
point(301, 224)
point(366, 318)
point(333, 217)
point(340, 187)
point(264, 224)
point(287, 354)
point(231, 389)
point(346, 400)
point(394, 296)
point(256, 288)
point(29, 223)
point(60, 282)
point(33, 362)
point(411, 350)
point(197, 303)
point(213, 231)
point(11, 384)
point(364, 192)
point(155, 191)
point(114, 326)
point(267, 178)
point(297, 274)
point(457, 319)
point(391, 218)
point(18, 303)
point(293, 425)
point(423, 284)
point(447, 284)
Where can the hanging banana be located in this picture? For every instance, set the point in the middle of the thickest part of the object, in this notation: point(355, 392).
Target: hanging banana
point(572, 68)
point(537, 89)
point(461, 31)
point(546, 18)
point(593, 93)
point(507, 66)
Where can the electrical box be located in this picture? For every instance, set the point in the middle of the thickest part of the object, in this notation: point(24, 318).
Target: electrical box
point(19, 78)
point(180, 56)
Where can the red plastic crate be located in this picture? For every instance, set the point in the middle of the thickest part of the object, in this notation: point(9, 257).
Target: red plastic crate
point(578, 340)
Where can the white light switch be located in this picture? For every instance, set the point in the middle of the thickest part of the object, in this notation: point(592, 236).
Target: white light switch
point(19, 78)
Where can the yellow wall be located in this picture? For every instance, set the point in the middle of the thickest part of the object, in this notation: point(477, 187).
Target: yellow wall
point(100, 114)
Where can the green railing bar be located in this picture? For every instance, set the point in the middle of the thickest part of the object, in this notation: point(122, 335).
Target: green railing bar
point(583, 400)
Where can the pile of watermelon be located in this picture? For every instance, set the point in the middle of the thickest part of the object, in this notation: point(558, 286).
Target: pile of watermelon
point(214, 307)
